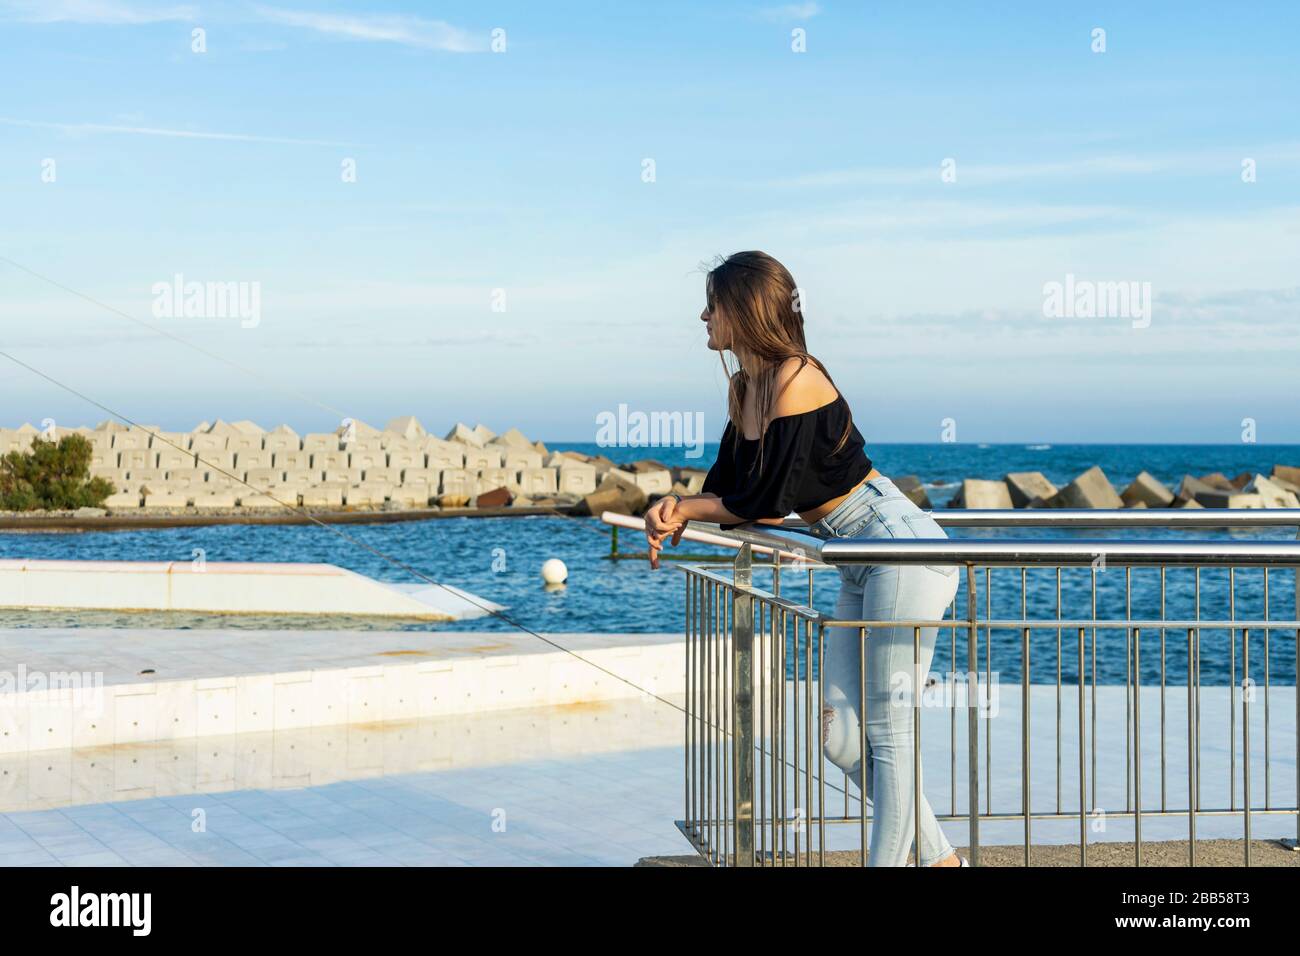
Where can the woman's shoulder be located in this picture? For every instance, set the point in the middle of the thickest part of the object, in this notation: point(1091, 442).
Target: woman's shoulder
point(802, 387)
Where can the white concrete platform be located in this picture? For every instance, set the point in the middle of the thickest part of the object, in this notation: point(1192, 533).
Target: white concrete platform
point(570, 785)
point(314, 757)
point(560, 786)
point(226, 588)
point(63, 688)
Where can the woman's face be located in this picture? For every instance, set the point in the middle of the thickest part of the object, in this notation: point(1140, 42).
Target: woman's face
point(717, 328)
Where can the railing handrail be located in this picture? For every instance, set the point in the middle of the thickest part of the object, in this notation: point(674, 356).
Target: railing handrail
point(1077, 552)
point(1214, 518)
point(792, 540)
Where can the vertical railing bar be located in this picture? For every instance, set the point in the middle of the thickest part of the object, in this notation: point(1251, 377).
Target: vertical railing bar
point(1058, 690)
point(1198, 688)
point(916, 745)
point(988, 682)
point(1245, 736)
point(1024, 735)
point(1268, 799)
point(1232, 691)
point(1083, 783)
point(1193, 750)
point(862, 745)
point(729, 817)
point(776, 687)
point(724, 729)
point(1093, 741)
point(742, 696)
point(812, 727)
point(794, 745)
point(972, 716)
point(821, 745)
point(720, 729)
point(781, 704)
point(952, 712)
point(1137, 745)
point(1128, 689)
point(1163, 800)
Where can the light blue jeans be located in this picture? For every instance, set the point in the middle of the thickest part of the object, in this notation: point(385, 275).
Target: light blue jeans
point(882, 593)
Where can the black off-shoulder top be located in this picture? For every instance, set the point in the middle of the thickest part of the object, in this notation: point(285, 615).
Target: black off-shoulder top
point(798, 471)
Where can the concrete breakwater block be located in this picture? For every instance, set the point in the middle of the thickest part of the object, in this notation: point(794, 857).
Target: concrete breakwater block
point(1219, 498)
point(1288, 476)
point(1029, 489)
point(225, 588)
point(1092, 489)
point(1272, 493)
point(239, 469)
point(1147, 490)
point(1217, 479)
point(615, 493)
point(1190, 487)
point(650, 476)
point(978, 493)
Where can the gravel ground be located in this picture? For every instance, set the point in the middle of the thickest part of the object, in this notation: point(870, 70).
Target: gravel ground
point(1170, 853)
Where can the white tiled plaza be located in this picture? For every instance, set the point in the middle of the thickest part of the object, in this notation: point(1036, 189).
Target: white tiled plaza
point(579, 784)
point(586, 785)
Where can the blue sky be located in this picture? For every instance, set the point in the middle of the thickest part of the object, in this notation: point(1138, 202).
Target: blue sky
point(522, 171)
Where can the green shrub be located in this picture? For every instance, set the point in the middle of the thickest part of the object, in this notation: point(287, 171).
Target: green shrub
point(52, 476)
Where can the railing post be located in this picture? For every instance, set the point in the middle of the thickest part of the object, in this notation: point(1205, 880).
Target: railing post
point(972, 714)
point(742, 661)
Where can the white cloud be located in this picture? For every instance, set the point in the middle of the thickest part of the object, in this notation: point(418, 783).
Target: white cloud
point(88, 128)
point(408, 31)
point(95, 11)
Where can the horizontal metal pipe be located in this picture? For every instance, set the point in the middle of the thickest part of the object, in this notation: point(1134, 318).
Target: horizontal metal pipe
point(791, 548)
point(1052, 623)
point(1069, 553)
point(1104, 518)
point(1119, 518)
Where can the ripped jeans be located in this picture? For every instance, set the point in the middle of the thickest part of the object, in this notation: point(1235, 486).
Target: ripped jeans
point(881, 593)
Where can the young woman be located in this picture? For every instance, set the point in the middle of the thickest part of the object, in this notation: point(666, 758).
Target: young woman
point(791, 446)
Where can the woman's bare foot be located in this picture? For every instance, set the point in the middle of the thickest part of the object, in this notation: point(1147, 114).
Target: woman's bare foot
point(950, 860)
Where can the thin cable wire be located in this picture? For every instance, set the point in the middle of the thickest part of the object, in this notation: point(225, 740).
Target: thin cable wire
point(375, 551)
point(396, 562)
point(307, 515)
point(251, 373)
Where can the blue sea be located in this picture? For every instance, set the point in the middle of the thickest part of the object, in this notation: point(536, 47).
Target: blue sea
point(500, 559)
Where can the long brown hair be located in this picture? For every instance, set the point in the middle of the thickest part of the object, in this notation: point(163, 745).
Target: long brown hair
point(762, 313)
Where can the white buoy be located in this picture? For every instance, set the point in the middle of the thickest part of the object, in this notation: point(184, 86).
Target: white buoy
point(554, 571)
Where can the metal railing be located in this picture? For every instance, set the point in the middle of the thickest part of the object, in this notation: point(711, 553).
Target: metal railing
point(756, 781)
